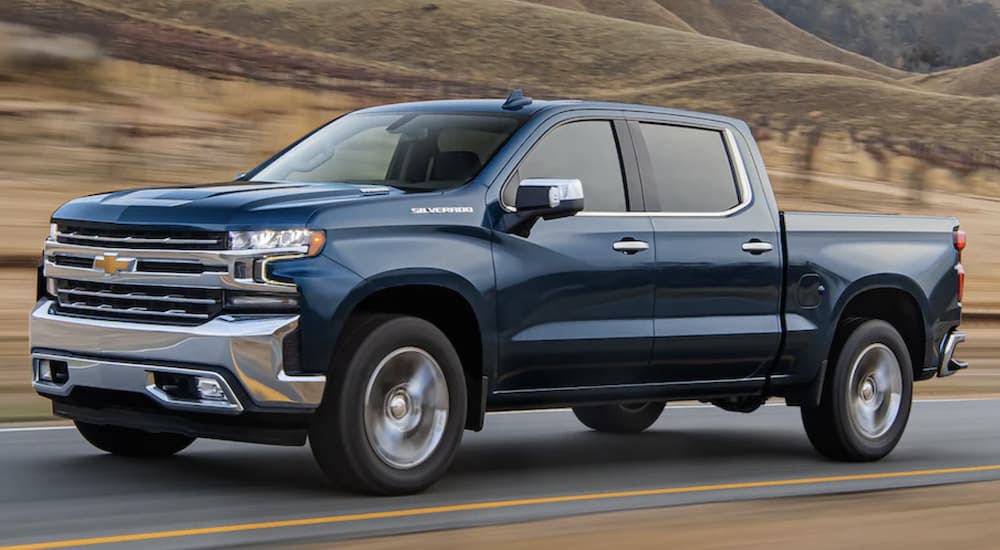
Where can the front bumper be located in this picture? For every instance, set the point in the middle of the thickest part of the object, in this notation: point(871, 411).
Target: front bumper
point(242, 353)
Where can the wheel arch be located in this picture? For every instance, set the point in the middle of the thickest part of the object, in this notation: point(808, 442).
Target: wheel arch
point(449, 302)
point(892, 298)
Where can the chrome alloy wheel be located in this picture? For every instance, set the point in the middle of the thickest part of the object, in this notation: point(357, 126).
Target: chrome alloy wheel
point(875, 391)
point(406, 407)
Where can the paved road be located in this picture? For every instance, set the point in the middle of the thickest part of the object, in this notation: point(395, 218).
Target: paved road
point(56, 488)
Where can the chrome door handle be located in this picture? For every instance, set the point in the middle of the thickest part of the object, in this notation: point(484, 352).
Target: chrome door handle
point(630, 246)
point(757, 247)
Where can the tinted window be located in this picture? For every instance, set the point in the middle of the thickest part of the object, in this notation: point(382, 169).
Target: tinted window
point(691, 169)
point(414, 151)
point(586, 151)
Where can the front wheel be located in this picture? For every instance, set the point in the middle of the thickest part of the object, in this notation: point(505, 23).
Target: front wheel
point(621, 418)
point(394, 408)
point(866, 397)
point(131, 442)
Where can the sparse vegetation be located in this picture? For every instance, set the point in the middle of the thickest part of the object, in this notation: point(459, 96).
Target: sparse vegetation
point(915, 35)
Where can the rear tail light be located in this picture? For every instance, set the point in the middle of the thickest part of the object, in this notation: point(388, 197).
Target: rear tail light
point(961, 281)
point(960, 240)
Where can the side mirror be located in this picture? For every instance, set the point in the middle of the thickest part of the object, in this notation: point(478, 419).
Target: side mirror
point(549, 198)
point(543, 198)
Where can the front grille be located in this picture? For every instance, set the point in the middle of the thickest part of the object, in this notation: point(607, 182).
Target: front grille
point(144, 265)
point(126, 237)
point(177, 305)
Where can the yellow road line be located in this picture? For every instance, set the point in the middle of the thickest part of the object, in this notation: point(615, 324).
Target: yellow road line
point(233, 528)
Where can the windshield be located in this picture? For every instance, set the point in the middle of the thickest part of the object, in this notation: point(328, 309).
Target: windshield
point(411, 151)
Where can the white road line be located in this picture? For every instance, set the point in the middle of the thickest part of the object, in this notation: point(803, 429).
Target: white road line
point(669, 408)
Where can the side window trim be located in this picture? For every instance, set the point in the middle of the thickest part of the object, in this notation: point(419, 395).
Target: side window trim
point(744, 188)
point(634, 197)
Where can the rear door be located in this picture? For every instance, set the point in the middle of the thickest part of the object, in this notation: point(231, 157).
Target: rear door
point(574, 310)
point(717, 272)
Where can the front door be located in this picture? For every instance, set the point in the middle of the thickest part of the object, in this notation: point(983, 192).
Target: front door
point(574, 303)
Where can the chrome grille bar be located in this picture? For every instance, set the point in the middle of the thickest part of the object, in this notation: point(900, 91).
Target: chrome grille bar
point(135, 240)
point(136, 296)
point(106, 309)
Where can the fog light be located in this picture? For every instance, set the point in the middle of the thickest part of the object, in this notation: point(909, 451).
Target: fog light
point(210, 389)
point(44, 370)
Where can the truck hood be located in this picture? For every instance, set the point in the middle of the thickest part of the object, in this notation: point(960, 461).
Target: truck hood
point(219, 206)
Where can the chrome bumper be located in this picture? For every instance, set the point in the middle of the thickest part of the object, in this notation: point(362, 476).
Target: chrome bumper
point(947, 364)
point(118, 355)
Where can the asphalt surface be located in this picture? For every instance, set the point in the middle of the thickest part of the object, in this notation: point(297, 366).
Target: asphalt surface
point(55, 487)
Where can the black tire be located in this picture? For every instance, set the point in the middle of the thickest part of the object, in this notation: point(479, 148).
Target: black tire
point(620, 419)
point(339, 436)
point(131, 442)
point(835, 428)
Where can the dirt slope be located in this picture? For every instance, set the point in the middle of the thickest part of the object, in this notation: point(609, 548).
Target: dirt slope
point(749, 22)
point(982, 79)
point(500, 42)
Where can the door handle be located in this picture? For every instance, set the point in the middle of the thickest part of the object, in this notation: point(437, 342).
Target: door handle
point(630, 246)
point(756, 246)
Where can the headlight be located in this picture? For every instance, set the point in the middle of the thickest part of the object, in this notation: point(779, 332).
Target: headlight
point(53, 231)
point(268, 239)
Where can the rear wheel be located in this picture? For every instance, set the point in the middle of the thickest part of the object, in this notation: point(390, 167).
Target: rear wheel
point(131, 442)
point(866, 397)
point(394, 408)
point(622, 418)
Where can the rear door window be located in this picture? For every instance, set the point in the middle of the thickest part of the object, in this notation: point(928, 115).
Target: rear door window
point(692, 170)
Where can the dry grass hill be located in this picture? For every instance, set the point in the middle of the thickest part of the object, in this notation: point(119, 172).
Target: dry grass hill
point(650, 12)
point(981, 79)
point(743, 21)
point(564, 51)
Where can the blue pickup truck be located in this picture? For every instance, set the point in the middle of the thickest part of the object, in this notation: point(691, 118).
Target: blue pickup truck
point(380, 285)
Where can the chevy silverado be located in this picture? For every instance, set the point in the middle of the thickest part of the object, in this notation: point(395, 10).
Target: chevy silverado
point(379, 285)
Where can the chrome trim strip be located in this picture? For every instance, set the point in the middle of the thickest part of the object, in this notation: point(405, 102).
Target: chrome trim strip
point(137, 297)
point(742, 180)
point(136, 240)
point(739, 169)
point(248, 346)
point(948, 352)
point(133, 377)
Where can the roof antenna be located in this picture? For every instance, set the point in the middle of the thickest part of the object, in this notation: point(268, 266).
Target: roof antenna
point(516, 100)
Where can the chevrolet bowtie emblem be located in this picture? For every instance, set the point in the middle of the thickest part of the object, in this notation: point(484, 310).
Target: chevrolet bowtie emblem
point(111, 263)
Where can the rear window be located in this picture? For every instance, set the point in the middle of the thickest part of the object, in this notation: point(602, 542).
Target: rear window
point(412, 151)
point(692, 171)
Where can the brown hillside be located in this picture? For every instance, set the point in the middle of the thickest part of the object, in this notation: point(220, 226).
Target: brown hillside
point(982, 79)
point(641, 11)
point(906, 116)
point(503, 42)
point(749, 22)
